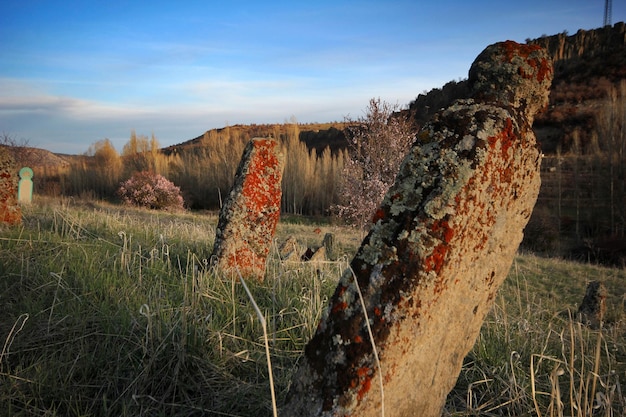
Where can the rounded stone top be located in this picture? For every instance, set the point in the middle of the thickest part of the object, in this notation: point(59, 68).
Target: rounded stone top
point(512, 74)
point(26, 173)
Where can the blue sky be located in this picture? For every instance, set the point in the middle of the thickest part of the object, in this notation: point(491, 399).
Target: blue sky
point(75, 72)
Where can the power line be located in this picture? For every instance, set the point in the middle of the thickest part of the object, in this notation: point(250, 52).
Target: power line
point(608, 6)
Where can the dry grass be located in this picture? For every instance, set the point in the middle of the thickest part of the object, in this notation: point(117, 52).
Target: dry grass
point(111, 311)
point(534, 358)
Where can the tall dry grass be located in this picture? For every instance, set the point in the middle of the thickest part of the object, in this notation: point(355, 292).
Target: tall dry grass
point(203, 170)
point(114, 311)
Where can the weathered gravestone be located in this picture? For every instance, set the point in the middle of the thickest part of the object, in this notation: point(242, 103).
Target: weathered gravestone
point(443, 241)
point(248, 219)
point(25, 186)
point(290, 249)
point(331, 248)
point(592, 308)
point(10, 212)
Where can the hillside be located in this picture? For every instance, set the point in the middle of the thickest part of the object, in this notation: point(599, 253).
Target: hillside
point(586, 65)
point(317, 136)
point(37, 158)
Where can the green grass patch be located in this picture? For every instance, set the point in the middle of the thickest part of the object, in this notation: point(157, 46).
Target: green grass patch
point(110, 311)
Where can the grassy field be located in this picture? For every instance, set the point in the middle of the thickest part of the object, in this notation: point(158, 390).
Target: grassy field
point(110, 311)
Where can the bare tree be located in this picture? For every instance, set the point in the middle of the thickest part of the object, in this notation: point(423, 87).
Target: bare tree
point(379, 141)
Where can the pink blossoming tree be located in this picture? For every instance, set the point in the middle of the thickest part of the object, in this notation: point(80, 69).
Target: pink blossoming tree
point(379, 141)
point(153, 191)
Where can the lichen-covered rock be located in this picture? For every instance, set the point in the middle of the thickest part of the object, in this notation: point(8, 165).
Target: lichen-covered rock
point(443, 241)
point(592, 308)
point(289, 248)
point(513, 76)
point(10, 212)
point(251, 212)
point(319, 255)
point(331, 246)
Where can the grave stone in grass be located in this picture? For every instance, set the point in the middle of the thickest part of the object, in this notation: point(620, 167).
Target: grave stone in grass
point(248, 219)
point(25, 186)
point(593, 306)
point(10, 212)
point(442, 242)
point(331, 247)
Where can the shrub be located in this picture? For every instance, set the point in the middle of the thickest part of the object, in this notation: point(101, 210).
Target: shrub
point(149, 190)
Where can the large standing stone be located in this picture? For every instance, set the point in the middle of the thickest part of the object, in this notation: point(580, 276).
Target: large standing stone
point(443, 241)
point(251, 212)
point(10, 212)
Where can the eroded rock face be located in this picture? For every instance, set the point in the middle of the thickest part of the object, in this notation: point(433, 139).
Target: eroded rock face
point(249, 216)
point(443, 241)
point(10, 212)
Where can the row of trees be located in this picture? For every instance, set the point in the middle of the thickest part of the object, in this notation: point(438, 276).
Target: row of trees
point(583, 192)
point(348, 182)
point(205, 170)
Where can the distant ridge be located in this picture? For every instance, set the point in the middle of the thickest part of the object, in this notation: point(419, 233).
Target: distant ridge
point(586, 64)
point(317, 136)
point(35, 157)
point(605, 43)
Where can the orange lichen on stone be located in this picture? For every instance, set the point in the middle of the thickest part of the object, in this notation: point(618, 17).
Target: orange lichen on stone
point(379, 214)
point(434, 262)
point(249, 216)
point(261, 177)
point(441, 244)
point(10, 211)
point(339, 307)
point(542, 67)
point(442, 227)
point(366, 385)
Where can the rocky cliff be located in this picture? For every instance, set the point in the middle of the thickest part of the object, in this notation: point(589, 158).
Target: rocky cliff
point(585, 65)
point(585, 44)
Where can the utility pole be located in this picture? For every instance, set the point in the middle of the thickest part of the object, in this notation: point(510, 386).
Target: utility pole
point(608, 6)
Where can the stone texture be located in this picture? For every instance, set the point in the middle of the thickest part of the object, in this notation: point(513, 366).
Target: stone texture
point(10, 212)
point(592, 308)
point(290, 249)
point(319, 255)
point(330, 245)
point(248, 219)
point(442, 243)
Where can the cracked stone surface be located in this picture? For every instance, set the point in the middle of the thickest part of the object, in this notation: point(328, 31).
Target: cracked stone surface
point(442, 243)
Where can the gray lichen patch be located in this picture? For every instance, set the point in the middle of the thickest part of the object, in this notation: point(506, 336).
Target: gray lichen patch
point(442, 242)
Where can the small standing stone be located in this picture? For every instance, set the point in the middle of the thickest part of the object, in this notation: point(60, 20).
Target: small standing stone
point(329, 244)
point(592, 309)
point(10, 212)
point(25, 186)
point(248, 219)
point(319, 255)
point(442, 242)
point(289, 248)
